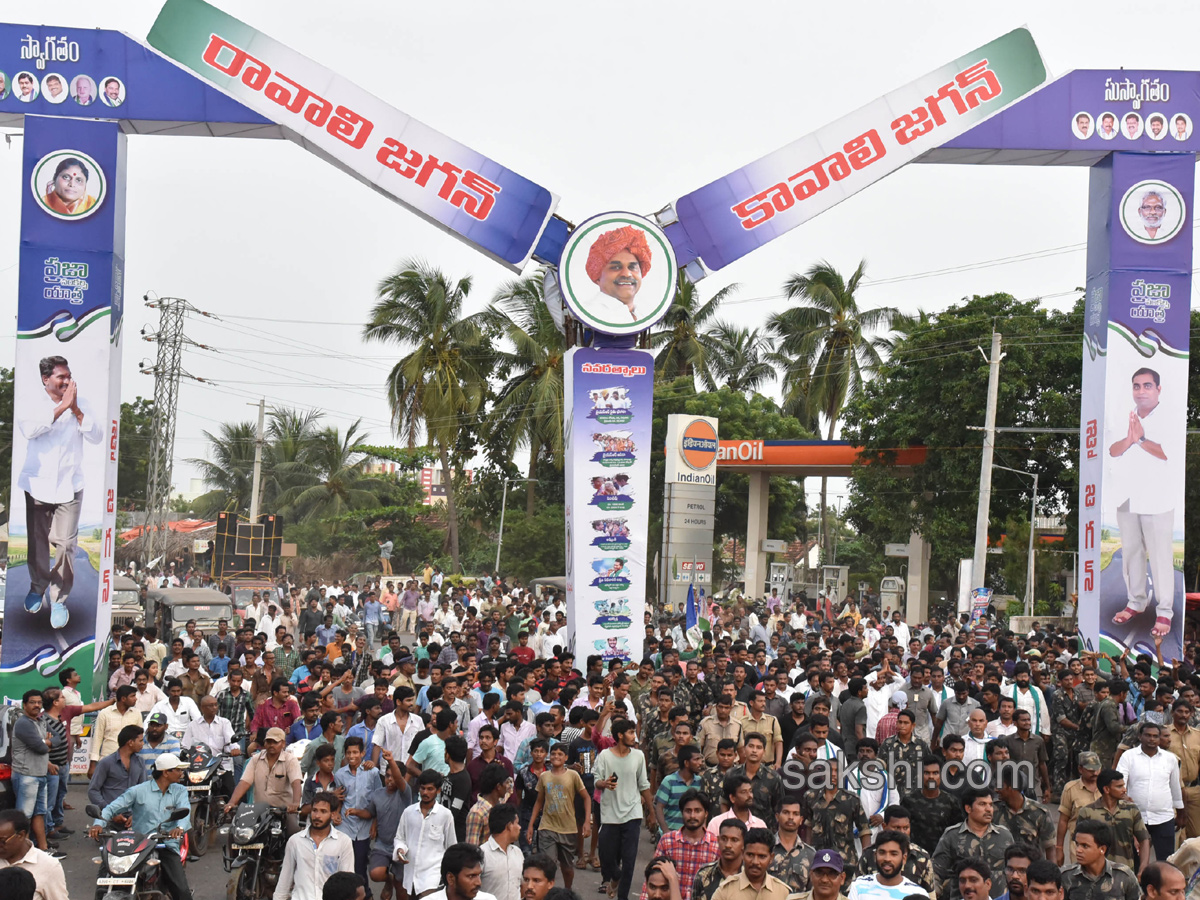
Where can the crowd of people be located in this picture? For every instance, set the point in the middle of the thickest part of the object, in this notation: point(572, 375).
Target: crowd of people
point(423, 738)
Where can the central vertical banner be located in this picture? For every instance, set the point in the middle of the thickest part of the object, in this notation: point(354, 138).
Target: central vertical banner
point(1134, 409)
point(609, 398)
point(66, 403)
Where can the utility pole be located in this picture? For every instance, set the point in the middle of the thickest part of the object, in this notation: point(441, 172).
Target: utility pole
point(258, 447)
point(1032, 531)
point(167, 371)
point(979, 561)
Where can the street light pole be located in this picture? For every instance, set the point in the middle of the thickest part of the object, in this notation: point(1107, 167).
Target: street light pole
point(1032, 530)
point(503, 504)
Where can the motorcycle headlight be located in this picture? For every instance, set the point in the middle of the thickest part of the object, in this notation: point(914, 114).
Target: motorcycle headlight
point(243, 835)
point(119, 865)
point(195, 777)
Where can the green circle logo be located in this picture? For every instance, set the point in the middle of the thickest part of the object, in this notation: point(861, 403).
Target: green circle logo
point(617, 273)
point(68, 185)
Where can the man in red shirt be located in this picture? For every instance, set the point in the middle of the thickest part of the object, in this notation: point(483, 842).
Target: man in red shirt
point(279, 711)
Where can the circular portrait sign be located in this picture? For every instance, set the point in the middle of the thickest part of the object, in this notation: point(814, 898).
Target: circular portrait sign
point(54, 88)
point(1082, 126)
point(1152, 212)
point(618, 273)
point(68, 184)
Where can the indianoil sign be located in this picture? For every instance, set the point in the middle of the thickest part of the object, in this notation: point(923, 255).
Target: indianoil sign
point(692, 450)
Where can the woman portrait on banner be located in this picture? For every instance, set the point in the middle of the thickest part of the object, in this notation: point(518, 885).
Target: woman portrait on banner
point(68, 193)
point(617, 263)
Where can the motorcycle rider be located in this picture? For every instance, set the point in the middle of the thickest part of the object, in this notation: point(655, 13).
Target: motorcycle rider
point(149, 804)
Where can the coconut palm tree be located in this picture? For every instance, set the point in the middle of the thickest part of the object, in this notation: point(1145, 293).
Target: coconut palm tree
point(290, 435)
point(824, 345)
point(685, 346)
point(441, 382)
point(740, 357)
point(528, 409)
point(336, 468)
point(228, 469)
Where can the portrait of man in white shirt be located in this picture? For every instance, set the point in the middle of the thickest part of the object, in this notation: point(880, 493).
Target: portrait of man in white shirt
point(55, 425)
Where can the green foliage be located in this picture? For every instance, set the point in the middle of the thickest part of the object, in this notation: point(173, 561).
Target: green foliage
point(133, 458)
point(309, 473)
point(1014, 563)
point(742, 417)
point(932, 389)
point(408, 459)
point(534, 546)
point(440, 383)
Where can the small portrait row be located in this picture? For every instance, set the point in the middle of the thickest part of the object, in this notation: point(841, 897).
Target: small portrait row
point(55, 88)
point(1131, 126)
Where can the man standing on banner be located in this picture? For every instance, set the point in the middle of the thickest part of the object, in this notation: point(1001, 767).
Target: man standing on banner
point(55, 427)
point(1143, 462)
point(617, 262)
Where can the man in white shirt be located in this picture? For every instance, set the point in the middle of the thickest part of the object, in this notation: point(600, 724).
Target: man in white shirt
point(425, 833)
point(1031, 699)
point(1146, 462)
point(315, 853)
point(891, 851)
point(54, 425)
point(180, 711)
point(1152, 783)
point(217, 733)
point(503, 861)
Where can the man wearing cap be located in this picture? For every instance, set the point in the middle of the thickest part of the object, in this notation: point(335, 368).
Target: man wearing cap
point(274, 773)
point(828, 878)
point(149, 805)
point(157, 741)
point(1076, 795)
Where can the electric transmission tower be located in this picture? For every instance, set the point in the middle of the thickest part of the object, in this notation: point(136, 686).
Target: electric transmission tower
point(167, 371)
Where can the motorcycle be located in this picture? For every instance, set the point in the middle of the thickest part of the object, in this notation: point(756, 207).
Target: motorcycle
point(204, 769)
point(254, 853)
point(129, 864)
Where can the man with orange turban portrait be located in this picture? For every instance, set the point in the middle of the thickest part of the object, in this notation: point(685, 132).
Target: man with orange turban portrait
point(617, 263)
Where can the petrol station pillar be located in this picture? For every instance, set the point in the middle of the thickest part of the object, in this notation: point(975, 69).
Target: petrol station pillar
point(756, 532)
point(916, 591)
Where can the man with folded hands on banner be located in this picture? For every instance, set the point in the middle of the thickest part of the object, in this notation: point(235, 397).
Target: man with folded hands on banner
point(55, 426)
point(1143, 461)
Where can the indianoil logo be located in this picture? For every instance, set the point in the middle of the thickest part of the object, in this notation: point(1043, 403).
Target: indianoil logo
point(698, 445)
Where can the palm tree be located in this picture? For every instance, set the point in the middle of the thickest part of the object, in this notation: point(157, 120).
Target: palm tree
point(824, 347)
point(528, 409)
point(684, 345)
point(290, 436)
point(228, 469)
point(339, 480)
point(441, 381)
point(740, 357)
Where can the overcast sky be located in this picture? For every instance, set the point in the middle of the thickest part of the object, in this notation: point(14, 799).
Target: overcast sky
point(610, 111)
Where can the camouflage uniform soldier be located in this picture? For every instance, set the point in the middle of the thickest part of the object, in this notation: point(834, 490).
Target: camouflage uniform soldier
point(707, 880)
point(1096, 876)
point(654, 711)
point(1065, 719)
point(835, 817)
point(977, 837)
point(694, 695)
point(1028, 820)
point(1122, 817)
point(712, 779)
point(766, 785)
point(930, 815)
point(1109, 724)
point(793, 867)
